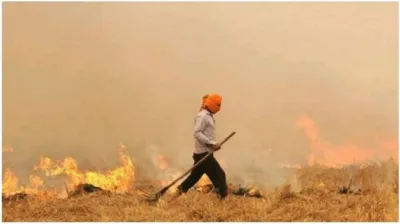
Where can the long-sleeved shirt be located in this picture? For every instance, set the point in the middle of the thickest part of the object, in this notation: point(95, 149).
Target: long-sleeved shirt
point(204, 131)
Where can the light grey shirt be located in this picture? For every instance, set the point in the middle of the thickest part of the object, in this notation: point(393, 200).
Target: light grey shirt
point(204, 131)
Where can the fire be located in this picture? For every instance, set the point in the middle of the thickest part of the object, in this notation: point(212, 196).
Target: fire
point(10, 183)
point(324, 153)
point(122, 178)
point(10, 186)
point(8, 149)
point(204, 185)
point(204, 180)
point(68, 166)
point(162, 162)
point(35, 181)
point(118, 180)
point(167, 174)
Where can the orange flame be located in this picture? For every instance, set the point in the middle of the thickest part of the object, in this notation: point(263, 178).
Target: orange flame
point(324, 153)
point(162, 162)
point(119, 180)
point(35, 181)
point(10, 183)
point(10, 186)
point(8, 149)
point(203, 183)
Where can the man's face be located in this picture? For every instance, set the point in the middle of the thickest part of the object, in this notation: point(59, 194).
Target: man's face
point(219, 106)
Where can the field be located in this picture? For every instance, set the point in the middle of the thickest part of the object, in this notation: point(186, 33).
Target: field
point(312, 196)
point(311, 89)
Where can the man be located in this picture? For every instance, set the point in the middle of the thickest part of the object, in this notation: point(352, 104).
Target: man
point(204, 134)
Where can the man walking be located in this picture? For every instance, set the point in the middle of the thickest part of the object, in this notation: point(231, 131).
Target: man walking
point(204, 134)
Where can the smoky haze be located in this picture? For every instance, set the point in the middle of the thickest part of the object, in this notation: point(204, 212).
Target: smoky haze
point(79, 78)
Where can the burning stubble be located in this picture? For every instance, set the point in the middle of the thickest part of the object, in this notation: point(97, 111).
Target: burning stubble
point(302, 83)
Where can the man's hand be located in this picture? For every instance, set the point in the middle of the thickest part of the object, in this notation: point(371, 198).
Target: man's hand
point(216, 147)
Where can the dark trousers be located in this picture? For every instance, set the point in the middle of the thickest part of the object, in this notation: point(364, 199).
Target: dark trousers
point(212, 169)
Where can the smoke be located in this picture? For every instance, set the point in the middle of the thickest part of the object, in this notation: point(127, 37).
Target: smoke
point(79, 78)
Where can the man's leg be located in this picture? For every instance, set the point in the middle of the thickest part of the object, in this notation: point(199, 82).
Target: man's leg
point(194, 176)
point(217, 176)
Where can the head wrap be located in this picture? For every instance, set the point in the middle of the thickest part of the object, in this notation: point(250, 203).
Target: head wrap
point(212, 102)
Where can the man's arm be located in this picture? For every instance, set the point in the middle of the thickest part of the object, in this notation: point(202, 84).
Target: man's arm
point(199, 126)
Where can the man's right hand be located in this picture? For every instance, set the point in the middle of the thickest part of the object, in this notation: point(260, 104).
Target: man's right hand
point(216, 147)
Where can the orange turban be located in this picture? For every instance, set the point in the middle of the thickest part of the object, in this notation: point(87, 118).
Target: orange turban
point(212, 102)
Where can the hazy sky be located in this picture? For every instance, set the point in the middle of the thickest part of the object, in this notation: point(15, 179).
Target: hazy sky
point(78, 78)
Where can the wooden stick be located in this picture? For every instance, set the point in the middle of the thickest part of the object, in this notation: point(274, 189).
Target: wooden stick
point(162, 191)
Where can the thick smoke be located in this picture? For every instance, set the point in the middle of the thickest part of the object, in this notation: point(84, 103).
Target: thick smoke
point(79, 78)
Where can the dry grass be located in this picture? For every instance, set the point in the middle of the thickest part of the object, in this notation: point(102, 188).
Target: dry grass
point(311, 197)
